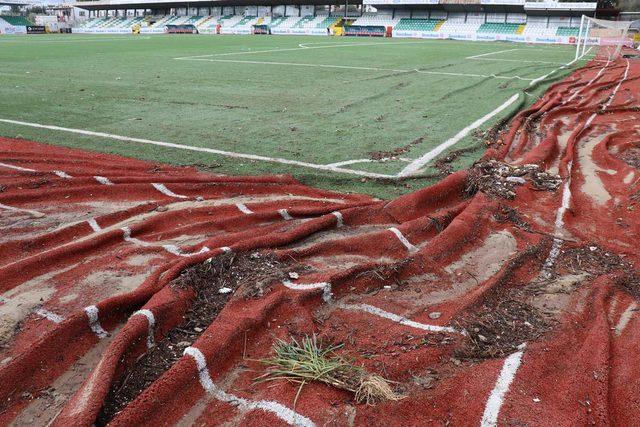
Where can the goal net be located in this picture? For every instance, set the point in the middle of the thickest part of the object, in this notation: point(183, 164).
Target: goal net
point(602, 38)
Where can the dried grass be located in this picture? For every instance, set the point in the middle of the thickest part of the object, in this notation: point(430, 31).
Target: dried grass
point(307, 360)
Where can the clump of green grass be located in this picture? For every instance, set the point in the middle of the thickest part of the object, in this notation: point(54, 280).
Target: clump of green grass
point(307, 360)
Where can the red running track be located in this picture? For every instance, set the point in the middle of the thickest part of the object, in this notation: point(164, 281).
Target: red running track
point(84, 246)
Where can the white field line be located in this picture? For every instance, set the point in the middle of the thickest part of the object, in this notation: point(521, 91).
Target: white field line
point(18, 168)
point(572, 97)
point(491, 53)
point(94, 321)
point(285, 214)
point(350, 162)
point(287, 415)
point(339, 219)
point(568, 64)
point(526, 61)
point(407, 244)
point(53, 317)
point(625, 317)
point(172, 249)
point(356, 161)
point(353, 67)
point(103, 180)
point(244, 209)
point(31, 212)
point(62, 174)
point(300, 47)
point(200, 149)
point(420, 162)
point(94, 224)
point(151, 322)
point(566, 189)
point(325, 286)
point(398, 319)
point(417, 164)
point(496, 398)
point(164, 190)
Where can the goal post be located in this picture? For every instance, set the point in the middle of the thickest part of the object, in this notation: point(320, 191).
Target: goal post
point(606, 37)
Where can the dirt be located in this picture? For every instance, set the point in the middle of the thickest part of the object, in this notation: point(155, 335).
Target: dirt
point(591, 259)
point(499, 180)
point(384, 155)
point(595, 261)
point(247, 276)
point(500, 325)
point(632, 156)
point(444, 163)
point(593, 185)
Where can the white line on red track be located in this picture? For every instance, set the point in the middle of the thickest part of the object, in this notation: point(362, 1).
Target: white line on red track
point(53, 317)
point(31, 212)
point(396, 318)
point(325, 286)
point(164, 190)
point(151, 323)
point(496, 398)
point(566, 189)
point(407, 244)
point(625, 317)
point(5, 165)
point(94, 321)
point(286, 414)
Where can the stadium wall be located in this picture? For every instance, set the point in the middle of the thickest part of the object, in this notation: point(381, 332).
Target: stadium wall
point(6, 28)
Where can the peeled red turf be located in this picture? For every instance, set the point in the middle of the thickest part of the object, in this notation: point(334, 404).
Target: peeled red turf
point(482, 309)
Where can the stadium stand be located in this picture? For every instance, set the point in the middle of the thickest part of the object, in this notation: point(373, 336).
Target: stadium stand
point(483, 23)
point(455, 24)
point(499, 28)
point(419, 24)
point(374, 19)
point(16, 21)
point(568, 31)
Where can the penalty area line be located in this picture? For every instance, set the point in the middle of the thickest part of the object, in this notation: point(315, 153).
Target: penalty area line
point(353, 67)
point(417, 164)
point(326, 168)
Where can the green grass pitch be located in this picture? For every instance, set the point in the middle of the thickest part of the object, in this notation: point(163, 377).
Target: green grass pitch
point(312, 100)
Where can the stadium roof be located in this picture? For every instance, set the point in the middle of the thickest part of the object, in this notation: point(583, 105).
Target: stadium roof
point(146, 4)
point(566, 8)
point(15, 3)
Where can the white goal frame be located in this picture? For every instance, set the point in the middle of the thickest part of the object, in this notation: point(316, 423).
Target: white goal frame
point(588, 36)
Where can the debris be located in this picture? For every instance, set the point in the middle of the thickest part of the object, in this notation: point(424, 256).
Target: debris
point(435, 315)
point(392, 154)
point(499, 180)
point(294, 275)
point(207, 280)
point(225, 290)
point(500, 325)
point(444, 164)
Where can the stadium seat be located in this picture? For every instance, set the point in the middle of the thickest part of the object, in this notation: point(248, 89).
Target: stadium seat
point(407, 24)
point(16, 20)
point(499, 28)
point(567, 31)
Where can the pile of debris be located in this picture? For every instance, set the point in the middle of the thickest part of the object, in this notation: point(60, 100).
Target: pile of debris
point(499, 180)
